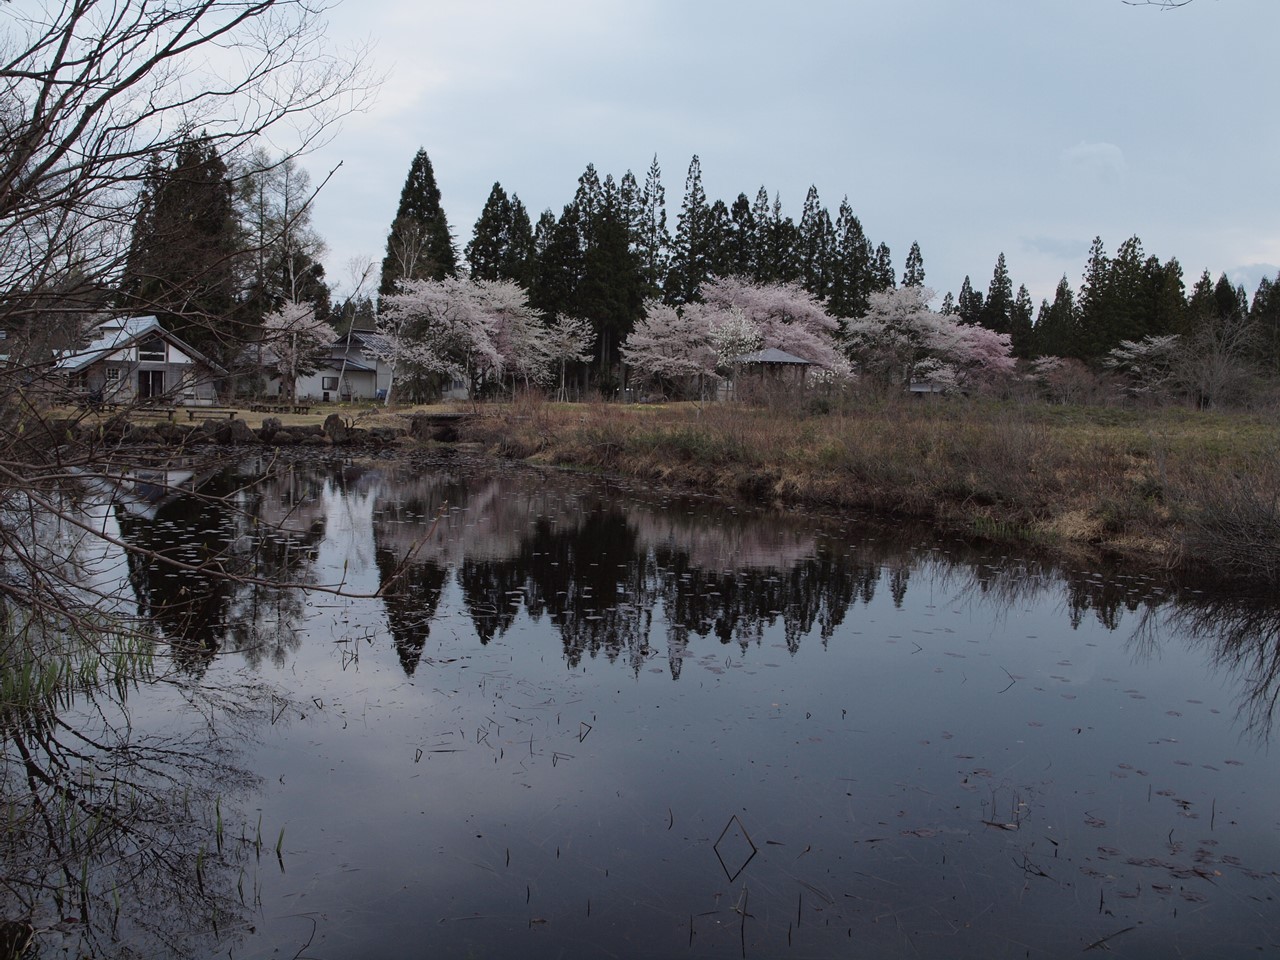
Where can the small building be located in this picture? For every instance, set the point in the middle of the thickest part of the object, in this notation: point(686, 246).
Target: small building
point(137, 359)
point(352, 369)
point(767, 368)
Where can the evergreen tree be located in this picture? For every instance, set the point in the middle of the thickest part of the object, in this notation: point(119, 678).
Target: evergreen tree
point(610, 291)
point(689, 264)
point(784, 241)
point(1093, 329)
point(419, 246)
point(653, 242)
point(761, 268)
point(720, 249)
point(1055, 331)
point(560, 264)
point(884, 277)
point(969, 303)
point(1265, 314)
point(742, 231)
point(851, 281)
point(815, 246)
point(913, 271)
point(1020, 326)
point(501, 246)
point(183, 256)
point(948, 305)
point(997, 309)
point(491, 236)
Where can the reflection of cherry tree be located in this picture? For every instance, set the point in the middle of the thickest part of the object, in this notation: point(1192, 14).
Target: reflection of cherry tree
point(293, 337)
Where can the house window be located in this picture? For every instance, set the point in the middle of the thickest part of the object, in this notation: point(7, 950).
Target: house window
point(328, 383)
point(151, 349)
point(113, 374)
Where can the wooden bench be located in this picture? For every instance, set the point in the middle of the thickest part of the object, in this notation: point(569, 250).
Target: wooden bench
point(211, 413)
point(279, 408)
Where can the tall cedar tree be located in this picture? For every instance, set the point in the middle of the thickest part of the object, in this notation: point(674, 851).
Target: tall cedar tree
point(652, 240)
point(1020, 329)
point(998, 306)
point(610, 292)
point(969, 303)
point(815, 245)
point(1092, 328)
point(913, 269)
point(742, 232)
point(852, 279)
point(419, 246)
point(885, 279)
point(182, 261)
point(689, 263)
point(1265, 313)
point(1055, 332)
point(501, 246)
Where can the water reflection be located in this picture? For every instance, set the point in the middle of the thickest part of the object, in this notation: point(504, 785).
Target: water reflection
point(576, 684)
point(597, 560)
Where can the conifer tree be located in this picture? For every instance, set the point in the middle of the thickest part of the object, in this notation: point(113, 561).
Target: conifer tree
point(742, 230)
point(1092, 333)
point(969, 303)
point(884, 277)
point(720, 252)
point(998, 307)
point(815, 242)
point(491, 236)
point(182, 262)
point(782, 252)
point(948, 305)
point(1054, 334)
point(689, 264)
point(851, 282)
point(501, 246)
point(1265, 314)
point(913, 270)
point(652, 240)
point(1020, 326)
point(419, 246)
point(761, 269)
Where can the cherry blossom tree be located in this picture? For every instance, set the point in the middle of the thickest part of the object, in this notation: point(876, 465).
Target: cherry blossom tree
point(293, 337)
point(671, 348)
point(478, 330)
point(1148, 363)
point(786, 317)
point(901, 340)
point(568, 340)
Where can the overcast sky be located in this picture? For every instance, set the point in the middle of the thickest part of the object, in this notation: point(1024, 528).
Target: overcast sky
point(970, 126)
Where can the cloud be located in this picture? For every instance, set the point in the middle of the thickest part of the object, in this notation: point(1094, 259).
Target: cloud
point(1251, 274)
point(1060, 248)
point(1102, 162)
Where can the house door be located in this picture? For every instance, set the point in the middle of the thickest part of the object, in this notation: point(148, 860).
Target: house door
point(150, 384)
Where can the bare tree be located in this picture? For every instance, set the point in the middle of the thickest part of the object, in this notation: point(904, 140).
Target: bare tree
point(90, 92)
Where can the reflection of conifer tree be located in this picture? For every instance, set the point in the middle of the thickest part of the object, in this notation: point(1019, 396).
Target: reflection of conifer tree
point(410, 597)
point(899, 574)
point(489, 590)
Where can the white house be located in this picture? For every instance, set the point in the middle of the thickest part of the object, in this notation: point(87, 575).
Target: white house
point(137, 359)
point(351, 369)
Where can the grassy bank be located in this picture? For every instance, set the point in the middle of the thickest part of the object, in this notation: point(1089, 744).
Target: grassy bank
point(1179, 488)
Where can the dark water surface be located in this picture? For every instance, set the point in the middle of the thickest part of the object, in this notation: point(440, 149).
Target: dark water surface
point(580, 718)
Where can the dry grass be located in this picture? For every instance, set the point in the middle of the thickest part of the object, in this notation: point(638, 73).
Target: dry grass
point(1134, 482)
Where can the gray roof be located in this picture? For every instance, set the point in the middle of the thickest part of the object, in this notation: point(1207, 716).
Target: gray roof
point(114, 335)
point(774, 355)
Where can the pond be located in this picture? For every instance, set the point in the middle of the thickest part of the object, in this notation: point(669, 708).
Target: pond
point(447, 707)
